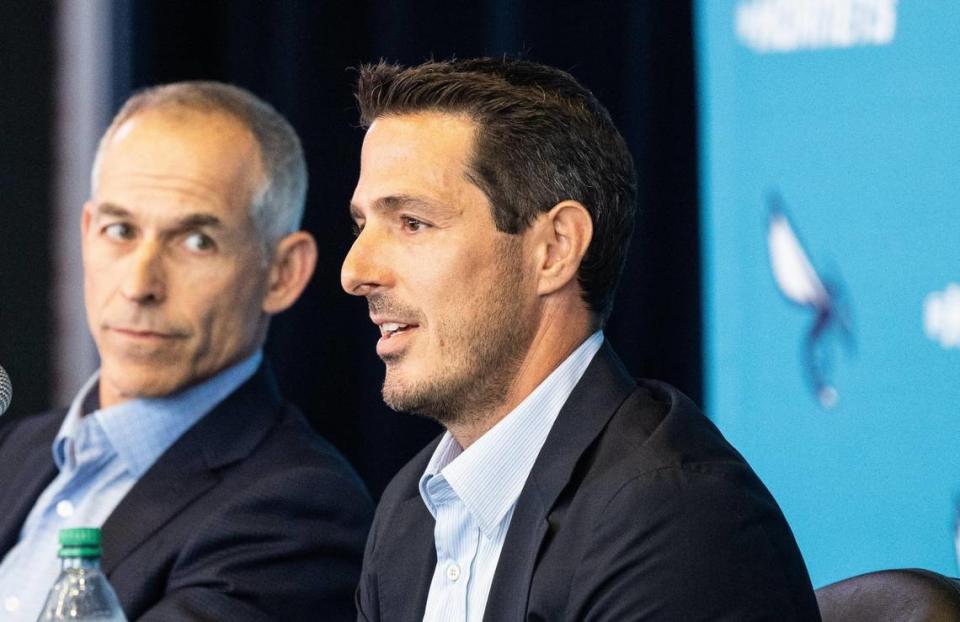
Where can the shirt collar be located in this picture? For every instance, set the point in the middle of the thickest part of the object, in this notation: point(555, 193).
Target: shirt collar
point(141, 429)
point(69, 432)
point(490, 474)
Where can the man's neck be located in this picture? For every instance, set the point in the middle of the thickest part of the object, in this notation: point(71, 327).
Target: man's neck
point(554, 341)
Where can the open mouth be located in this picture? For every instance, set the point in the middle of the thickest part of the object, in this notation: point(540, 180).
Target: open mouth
point(390, 329)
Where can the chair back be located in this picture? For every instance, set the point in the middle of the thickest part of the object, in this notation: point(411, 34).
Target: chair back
point(907, 595)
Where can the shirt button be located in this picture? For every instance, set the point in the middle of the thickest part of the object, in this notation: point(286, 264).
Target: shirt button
point(64, 509)
point(453, 572)
point(11, 603)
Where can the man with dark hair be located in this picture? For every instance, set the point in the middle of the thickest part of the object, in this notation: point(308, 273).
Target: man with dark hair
point(493, 213)
point(216, 500)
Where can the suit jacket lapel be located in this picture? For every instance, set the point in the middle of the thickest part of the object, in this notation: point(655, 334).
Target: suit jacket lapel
point(189, 467)
point(601, 390)
point(27, 468)
point(407, 561)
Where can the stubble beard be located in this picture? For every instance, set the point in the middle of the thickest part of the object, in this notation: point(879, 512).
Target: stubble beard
point(475, 377)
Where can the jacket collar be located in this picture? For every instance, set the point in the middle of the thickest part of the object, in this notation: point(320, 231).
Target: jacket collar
point(602, 389)
point(226, 435)
point(26, 469)
point(406, 559)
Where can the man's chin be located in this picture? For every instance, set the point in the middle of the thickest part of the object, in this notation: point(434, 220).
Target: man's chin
point(398, 399)
point(430, 399)
point(115, 391)
point(402, 395)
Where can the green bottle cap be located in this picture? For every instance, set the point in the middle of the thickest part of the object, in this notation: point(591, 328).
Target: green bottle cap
point(80, 542)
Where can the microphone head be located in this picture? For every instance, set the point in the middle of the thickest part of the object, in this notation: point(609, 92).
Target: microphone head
point(6, 391)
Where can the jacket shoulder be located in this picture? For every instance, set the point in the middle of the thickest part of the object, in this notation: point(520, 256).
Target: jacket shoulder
point(666, 495)
point(658, 426)
point(28, 430)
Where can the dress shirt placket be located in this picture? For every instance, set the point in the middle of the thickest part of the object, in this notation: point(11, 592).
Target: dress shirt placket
point(457, 538)
point(86, 454)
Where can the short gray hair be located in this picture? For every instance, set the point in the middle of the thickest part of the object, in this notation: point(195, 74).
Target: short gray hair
point(277, 206)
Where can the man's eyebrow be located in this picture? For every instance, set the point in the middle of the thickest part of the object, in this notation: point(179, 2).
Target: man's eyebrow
point(397, 202)
point(111, 209)
point(194, 221)
point(190, 221)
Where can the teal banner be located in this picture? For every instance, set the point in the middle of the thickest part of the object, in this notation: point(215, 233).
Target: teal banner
point(830, 170)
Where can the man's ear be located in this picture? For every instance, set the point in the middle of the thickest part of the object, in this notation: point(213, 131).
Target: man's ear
point(562, 236)
point(290, 270)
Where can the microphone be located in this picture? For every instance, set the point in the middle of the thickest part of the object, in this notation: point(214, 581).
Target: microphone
point(6, 391)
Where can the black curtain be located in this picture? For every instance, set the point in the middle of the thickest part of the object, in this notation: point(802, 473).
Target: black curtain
point(26, 193)
point(635, 55)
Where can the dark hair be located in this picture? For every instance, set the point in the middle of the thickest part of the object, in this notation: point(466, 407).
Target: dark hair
point(542, 138)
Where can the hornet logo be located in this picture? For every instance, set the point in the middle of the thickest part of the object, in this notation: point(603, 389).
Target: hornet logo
point(800, 284)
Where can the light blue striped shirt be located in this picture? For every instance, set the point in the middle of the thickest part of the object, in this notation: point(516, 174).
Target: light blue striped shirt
point(472, 493)
point(100, 456)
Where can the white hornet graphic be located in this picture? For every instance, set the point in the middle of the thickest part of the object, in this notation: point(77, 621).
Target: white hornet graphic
point(941, 316)
point(800, 283)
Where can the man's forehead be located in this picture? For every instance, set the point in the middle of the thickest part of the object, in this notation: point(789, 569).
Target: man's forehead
point(207, 157)
point(124, 130)
point(421, 134)
point(427, 117)
point(414, 157)
point(178, 115)
point(181, 217)
point(160, 130)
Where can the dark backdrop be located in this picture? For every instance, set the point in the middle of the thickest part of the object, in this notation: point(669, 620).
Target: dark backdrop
point(26, 192)
point(635, 55)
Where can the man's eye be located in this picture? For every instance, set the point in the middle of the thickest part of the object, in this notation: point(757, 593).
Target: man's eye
point(198, 242)
point(412, 224)
point(118, 231)
point(356, 228)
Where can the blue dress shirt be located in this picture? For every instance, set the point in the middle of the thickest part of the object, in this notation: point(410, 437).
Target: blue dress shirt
point(472, 493)
point(100, 455)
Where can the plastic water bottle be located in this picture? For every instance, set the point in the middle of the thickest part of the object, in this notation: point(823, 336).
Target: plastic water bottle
point(81, 592)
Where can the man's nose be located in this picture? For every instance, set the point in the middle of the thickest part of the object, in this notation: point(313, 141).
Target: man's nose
point(144, 279)
point(365, 267)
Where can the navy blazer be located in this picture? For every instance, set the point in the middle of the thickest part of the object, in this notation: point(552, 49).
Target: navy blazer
point(248, 516)
point(636, 509)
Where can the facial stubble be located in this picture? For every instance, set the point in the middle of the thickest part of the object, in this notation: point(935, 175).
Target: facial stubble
point(477, 367)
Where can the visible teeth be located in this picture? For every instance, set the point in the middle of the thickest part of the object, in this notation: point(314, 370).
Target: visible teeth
point(391, 327)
